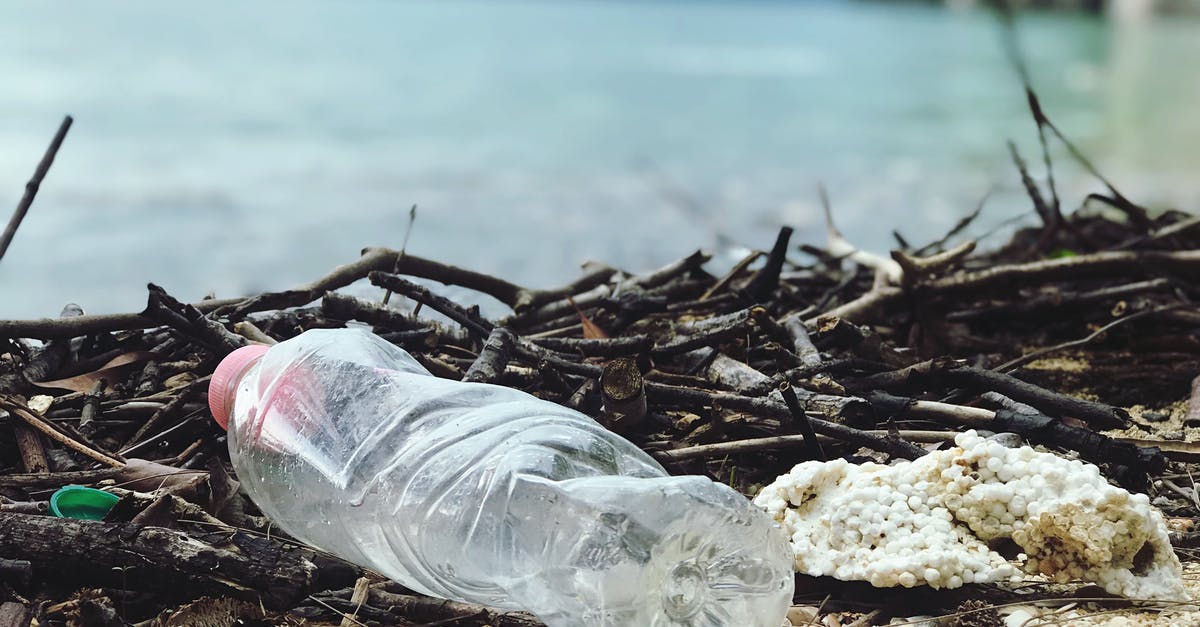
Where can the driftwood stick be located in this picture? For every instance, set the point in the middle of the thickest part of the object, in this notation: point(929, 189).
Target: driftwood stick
point(1096, 414)
point(1136, 213)
point(508, 293)
point(191, 322)
point(1094, 265)
point(50, 328)
point(1042, 122)
point(915, 268)
point(733, 273)
point(624, 392)
point(597, 347)
point(1092, 446)
point(1102, 264)
point(493, 358)
point(884, 443)
point(793, 375)
point(31, 449)
point(861, 308)
point(532, 353)
point(341, 276)
point(710, 335)
point(1134, 461)
point(57, 478)
point(1044, 303)
point(814, 404)
point(736, 319)
point(783, 443)
point(595, 277)
point(974, 417)
point(1051, 218)
point(802, 344)
point(362, 588)
point(429, 610)
point(17, 407)
point(688, 336)
point(800, 420)
point(91, 408)
point(558, 309)
point(43, 362)
point(37, 508)
point(1166, 231)
point(670, 271)
point(728, 372)
point(441, 304)
point(955, 373)
point(34, 184)
point(153, 558)
point(763, 283)
point(831, 409)
point(251, 332)
point(342, 307)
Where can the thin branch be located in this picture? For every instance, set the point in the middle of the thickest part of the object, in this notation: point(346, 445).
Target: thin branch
point(493, 357)
point(1013, 364)
point(441, 304)
point(16, 407)
point(800, 419)
point(1080, 266)
point(764, 282)
point(781, 443)
point(961, 225)
point(412, 218)
point(35, 183)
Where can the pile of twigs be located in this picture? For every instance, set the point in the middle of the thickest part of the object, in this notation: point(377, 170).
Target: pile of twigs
point(812, 353)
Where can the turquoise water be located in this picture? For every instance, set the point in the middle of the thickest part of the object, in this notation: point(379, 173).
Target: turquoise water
point(235, 147)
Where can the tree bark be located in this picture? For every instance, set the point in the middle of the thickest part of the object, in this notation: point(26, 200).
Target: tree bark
point(154, 558)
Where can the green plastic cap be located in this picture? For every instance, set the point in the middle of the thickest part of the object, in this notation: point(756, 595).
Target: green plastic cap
point(76, 501)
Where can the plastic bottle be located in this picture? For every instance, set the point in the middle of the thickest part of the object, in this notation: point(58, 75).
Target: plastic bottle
point(486, 494)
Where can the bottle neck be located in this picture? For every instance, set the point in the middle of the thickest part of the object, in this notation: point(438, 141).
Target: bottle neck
point(231, 388)
point(222, 387)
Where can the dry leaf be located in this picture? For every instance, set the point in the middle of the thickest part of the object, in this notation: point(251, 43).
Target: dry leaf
point(590, 330)
point(148, 476)
point(110, 372)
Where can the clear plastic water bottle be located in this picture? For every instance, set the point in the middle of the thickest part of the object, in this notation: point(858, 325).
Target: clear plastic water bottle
point(486, 494)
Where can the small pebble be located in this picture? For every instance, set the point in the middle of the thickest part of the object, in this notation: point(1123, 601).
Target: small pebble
point(1008, 440)
point(1163, 502)
point(1155, 416)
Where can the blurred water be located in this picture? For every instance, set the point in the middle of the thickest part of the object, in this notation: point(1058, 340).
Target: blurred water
point(233, 147)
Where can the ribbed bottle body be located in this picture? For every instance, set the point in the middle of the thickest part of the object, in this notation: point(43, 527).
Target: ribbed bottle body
point(486, 494)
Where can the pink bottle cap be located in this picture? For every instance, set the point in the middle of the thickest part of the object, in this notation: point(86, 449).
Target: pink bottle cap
point(227, 374)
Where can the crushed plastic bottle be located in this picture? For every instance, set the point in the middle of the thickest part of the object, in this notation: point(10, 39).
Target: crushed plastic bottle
point(486, 494)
